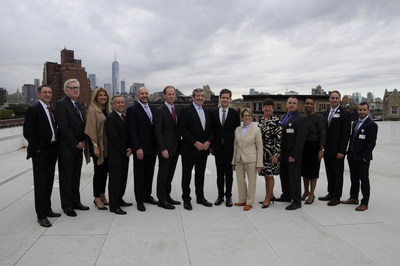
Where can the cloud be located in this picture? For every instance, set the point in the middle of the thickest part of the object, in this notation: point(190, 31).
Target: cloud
point(267, 45)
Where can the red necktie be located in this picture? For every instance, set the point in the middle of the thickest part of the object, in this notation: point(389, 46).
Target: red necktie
point(53, 122)
point(123, 116)
point(173, 114)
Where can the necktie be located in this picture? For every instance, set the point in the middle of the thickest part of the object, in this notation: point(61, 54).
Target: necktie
point(78, 110)
point(123, 116)
point(173, 113)
point(202, 118)
point(355, 133)
point(53, 121)
point(330, 116)
point(146, 108)
point(223, 117)
point(286, 119)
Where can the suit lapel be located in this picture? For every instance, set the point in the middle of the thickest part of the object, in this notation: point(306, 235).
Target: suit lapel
point(197, 116)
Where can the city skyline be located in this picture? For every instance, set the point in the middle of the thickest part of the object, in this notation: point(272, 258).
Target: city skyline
point(270, 46)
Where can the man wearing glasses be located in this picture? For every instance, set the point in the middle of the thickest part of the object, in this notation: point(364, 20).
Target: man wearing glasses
point(71, 142)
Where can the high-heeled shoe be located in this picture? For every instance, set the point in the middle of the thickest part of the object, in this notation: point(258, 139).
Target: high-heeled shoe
point(264, 206)
point(308, 201)
point(304, 196)
point(100, 208)
point(105, 202)
point(272, 199)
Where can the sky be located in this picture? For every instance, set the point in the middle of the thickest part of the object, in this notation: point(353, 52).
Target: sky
point(272, 46)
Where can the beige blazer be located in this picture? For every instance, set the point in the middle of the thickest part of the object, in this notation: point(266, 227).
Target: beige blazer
point(248, 148)
point(95, 130)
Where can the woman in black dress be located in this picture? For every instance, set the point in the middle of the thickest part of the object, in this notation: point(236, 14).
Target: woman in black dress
point(271, 132)
point(313, 151)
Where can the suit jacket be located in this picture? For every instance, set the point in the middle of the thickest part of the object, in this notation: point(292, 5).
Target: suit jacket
point(224, 134)
point(191, 130)
point(141, 129)
point(338, 132)
point(248, 148)
point(166, 130)
point(37, 129)
point(117, 139)
point(294, 136)
point(70, 126)
point(362, 147)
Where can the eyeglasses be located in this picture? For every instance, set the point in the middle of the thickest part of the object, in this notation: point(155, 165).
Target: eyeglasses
point(246, 115)
point(73, 88)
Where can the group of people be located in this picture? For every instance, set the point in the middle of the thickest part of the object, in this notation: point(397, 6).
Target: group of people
point(108, 134)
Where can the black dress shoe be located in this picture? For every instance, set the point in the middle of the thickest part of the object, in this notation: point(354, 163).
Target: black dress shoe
point(204, 202)
point(81, 207)
point(53, 214)
point(125, 204)
point(292, 207)
point(44, 222)
point(187, 205)
point(119, 211)
point(228, 202)
point(151, 200)
point(333, 202)
point(219, 201)
point(325, 198)
point(173, 202)
point(141, 207)
point(282, 200)
point(70, 212)
point(166, 205)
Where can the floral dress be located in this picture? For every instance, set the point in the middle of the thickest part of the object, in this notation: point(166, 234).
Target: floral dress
point(271, 131)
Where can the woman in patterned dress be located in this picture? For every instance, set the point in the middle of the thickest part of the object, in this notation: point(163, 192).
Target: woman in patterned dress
point(271, 131)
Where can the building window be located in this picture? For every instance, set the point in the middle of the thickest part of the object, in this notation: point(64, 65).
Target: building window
point(394, 110)
point(278, 107)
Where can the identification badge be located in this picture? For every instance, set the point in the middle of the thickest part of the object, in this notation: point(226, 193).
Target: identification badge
point(336, 115)
point(361, 136)
point(290, 130)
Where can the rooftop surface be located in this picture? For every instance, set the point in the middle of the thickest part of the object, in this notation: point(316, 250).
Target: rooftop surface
point(313, 235)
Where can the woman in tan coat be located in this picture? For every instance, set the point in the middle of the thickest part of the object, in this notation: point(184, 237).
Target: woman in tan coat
point(95, 130)
point(247, 158)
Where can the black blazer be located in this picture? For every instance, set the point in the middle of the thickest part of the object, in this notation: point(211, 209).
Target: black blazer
point(37, 129)
point(226, 132)
point(361, 148)
point(191, 131)
point(166, 130)
point(117, 139)
point(70, 126)
point(140, 129)
point(338, 132)
point(294, 136)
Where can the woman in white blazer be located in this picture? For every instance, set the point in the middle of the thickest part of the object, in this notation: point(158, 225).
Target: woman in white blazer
point(247, 158)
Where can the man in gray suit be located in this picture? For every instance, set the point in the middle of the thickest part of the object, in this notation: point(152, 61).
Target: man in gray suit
point(168, 141)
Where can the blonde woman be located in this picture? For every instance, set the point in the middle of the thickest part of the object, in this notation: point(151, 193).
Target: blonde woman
point(95, 130)
point(247, 158)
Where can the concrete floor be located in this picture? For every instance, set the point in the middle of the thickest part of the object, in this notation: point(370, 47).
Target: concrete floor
point(313, 235)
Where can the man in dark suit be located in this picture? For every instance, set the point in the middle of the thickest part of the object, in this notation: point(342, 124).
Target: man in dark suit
point(337, 137)
point(141, 134)
point(195, 128)
point(225, 120)
point(294, 136)
point(71, 142)
point(40, 130)
point(359, 156)
point(168, 142)
point(119, 150)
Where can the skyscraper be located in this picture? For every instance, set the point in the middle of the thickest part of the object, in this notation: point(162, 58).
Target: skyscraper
point(92, 79)
point(70, 68)
point(115, 76)
point(29, 91)
point(37, 83)
point(123, 91)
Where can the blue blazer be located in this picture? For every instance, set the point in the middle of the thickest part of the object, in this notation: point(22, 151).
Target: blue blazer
point(362, 142)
